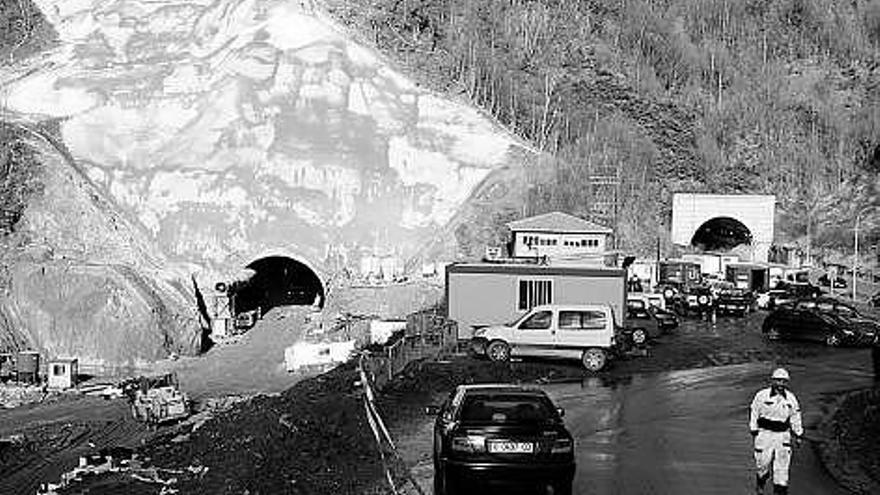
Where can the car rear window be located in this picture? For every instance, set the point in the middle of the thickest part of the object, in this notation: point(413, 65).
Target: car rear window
point(507, 408)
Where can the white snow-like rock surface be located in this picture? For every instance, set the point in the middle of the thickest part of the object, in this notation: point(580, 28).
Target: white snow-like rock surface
point(229, 127)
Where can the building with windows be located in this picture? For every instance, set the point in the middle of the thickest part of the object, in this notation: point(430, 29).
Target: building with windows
point(559, 237)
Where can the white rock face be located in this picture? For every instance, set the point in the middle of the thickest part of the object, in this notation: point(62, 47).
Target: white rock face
point(229, 127)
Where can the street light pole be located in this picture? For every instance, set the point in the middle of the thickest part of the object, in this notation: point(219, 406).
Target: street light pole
point(856, 253)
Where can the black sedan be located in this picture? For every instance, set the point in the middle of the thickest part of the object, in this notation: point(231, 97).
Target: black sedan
point(501, 435)
point(667, 319)
point(822, 319)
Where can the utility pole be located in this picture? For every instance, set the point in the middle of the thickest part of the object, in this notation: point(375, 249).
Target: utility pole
point(855, 276)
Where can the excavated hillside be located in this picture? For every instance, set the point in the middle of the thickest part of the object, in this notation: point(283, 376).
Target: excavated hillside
point(206, 137)
point(79, 279)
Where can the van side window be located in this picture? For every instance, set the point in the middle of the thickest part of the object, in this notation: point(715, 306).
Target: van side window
point(538, 321)
point(582, 320)
point(593, 320)
point(569, 319)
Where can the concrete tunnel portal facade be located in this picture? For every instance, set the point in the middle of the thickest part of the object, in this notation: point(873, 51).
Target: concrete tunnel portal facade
point(721, 234)
point(724, 221)
point(278, 281)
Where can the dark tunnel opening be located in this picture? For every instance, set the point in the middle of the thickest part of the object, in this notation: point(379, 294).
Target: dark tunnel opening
point(721, 234)
point(277, 281)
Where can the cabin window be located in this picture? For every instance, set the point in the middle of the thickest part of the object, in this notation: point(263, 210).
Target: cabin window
point(534, 293)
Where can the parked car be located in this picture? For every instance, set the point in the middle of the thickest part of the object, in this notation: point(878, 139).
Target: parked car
point(824, 319)
point(496, 434)
point(654, 299)
point(639, 318)
point(667, 319)
point(735, 301)
point(656, 305)
point(795, 291)
point(557, 331)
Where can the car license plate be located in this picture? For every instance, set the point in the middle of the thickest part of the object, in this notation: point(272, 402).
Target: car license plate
point(511, 447)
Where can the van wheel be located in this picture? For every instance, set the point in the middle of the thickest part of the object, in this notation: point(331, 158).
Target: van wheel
point(594, 359)
point(498, 351)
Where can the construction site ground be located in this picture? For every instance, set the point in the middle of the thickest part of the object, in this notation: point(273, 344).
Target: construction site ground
point(309, 434)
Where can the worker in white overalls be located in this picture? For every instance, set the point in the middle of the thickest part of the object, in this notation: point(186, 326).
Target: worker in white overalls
point(775, 415)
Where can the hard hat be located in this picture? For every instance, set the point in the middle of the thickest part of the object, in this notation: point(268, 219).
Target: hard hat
point(780, 374)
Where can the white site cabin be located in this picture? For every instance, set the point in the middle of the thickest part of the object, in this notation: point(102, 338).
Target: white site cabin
point(481, 294)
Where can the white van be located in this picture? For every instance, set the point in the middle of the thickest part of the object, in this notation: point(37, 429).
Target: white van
point(584, 332)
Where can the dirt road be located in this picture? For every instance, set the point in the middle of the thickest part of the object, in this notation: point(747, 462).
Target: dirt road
point(57, 434)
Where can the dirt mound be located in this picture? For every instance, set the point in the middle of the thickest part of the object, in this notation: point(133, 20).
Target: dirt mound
point(313, 438)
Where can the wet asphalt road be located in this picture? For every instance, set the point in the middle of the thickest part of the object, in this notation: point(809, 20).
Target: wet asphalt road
point(686, 432)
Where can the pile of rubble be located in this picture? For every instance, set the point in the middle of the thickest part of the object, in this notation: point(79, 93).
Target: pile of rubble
point(17, 395)
point(121, 462)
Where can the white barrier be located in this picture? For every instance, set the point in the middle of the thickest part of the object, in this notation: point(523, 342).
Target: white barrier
point(307, 354)
point(381, 330)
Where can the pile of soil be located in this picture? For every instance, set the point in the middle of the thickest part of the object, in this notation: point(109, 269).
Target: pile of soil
point(313, 438)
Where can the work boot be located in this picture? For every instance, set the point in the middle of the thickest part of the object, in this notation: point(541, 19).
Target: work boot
point(780, 490)
point(760, 482)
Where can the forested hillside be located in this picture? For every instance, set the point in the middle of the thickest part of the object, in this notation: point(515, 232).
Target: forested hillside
point(726, 96)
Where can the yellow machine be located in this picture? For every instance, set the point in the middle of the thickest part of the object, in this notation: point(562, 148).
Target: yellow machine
point(157, 400)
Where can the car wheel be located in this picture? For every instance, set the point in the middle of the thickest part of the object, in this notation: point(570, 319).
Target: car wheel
point(594, 359)
point(562, 488)
point(832, 340)
point(498, 351)
point(639, 336)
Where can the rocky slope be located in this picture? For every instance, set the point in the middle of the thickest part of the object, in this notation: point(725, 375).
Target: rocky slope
point(234, 128)
point(194, 137)
point(82, 280)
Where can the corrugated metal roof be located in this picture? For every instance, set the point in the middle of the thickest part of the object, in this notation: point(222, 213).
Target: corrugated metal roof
point(557, 221)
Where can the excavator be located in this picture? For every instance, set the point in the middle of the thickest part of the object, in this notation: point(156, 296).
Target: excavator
point(157, 399)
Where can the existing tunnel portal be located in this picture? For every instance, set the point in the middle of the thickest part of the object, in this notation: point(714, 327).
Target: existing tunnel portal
point(721, 234)
point(278, 281)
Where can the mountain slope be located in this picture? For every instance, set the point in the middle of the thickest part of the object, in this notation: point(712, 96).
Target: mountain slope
point(675, 96)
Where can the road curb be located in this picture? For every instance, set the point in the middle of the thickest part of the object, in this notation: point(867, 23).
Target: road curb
point(842, 464)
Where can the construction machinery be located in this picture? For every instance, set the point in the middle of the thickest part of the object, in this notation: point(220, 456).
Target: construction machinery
point(158, 399)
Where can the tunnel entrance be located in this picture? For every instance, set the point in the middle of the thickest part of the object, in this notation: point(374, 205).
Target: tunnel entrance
point(277, 281)
point(721, 234)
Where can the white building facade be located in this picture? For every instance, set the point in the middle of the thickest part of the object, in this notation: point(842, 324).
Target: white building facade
point(558, 236)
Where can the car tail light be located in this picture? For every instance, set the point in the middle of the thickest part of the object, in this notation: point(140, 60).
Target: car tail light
point(469, 444)
point(562, 446)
